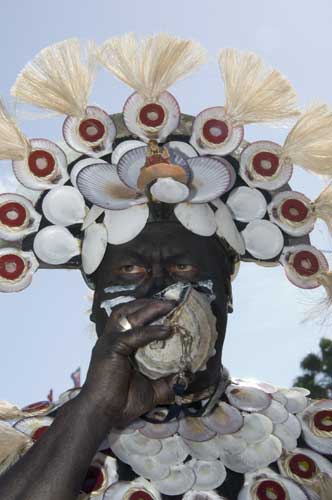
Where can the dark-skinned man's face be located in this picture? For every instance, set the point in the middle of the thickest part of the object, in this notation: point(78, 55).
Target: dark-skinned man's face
point(163, 254)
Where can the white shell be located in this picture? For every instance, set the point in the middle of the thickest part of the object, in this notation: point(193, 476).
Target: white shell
point(149, 467)
point(291, 273)
point(76, 142)
point(130, 164)
point(202, 495)
point(58, 176)
point(181, 479)
point(258, 384)
point(246, 204)
point(55, 245)
point(276, 412)
point(124, 225)
point(92, 216)
point(248, 398)
point(123, 489)
point(123, 148)
point(93, 247)
point(64, 206)
point(296, 401)
point(231, 444)
point(227, 229)
point(31, 266)
point(159, 431)
point(293, 490)
point(193, 428)
point(131, 111)
point(29, 225)
point(263, 239)
point(252, 178)
point(322, 444)
point(173, 451)
point(101, 185)
point(135, 443)
point(80, 165)
point(322, 463)
point(209, 475)
point(256, 428)
point(206, 450)
point(288, 432)
point(182, 148)
point(168, 190)
point(225, 419)
point(30, 425)
point(211, 178)
point(294, 229)
point(198, 218)
point(235, 134)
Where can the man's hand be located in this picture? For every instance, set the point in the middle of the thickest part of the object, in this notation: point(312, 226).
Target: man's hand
point(113, 385)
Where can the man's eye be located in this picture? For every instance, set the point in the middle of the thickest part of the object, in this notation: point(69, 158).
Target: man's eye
point(182, 268)
point(132, 269)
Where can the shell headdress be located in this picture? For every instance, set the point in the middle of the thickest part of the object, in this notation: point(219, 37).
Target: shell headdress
point(131, 165)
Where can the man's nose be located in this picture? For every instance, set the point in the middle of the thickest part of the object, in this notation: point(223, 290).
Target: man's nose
point(160, 279)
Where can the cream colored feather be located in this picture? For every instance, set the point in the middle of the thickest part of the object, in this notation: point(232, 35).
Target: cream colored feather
point(309, 143)
point(59, 78)
point(8, 411)
point(13, 143)
point(13, 444)
point(323, 206)
point(254, 93)
point(153, 64)
point(325, 279)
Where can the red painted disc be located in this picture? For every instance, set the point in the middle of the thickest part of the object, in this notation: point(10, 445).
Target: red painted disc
point(41, 163)
point(152, 115)
point(94, 479)
point(294, 210)
point(306, 263)
point(140, 495)
point(323, 420)
point(303, 466)
point(268, 488)
point(91, 130)
point(215, 131)
point(11, 266)
point(265, 163)
point(39, 432)
point(12, 214)
point(40, 405)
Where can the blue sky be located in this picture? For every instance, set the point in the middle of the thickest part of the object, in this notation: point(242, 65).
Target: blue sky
point(45, 331)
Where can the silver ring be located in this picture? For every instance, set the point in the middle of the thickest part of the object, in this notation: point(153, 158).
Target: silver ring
point(124, 324)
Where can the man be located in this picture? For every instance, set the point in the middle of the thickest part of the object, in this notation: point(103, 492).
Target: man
point(165, 222)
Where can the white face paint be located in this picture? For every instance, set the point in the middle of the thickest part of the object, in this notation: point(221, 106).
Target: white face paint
point(109, 304)
point(120, 288)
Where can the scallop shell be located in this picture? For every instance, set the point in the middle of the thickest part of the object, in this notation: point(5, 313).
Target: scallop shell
point(288, 432)
point(55, 245)
point(64, 206)
point(258, 384)
point(101, 474)
point(80, 165)
point(318, 439)
point(225, 419)
point(135, 444)
point(94, 247)
point(182, 148)
point(198, 218)
point(181, 479)
point(212, 124)
point(92, 216)
point(296, 401)
point(193, 428)
point(263, 239)
point(227, 229)
point(202, 495)
point(124, 489)
point(302, 253)
point(276, 412)
point(124, 225)
point(294, 228)
point(205, 450)
point(159, 431)
point(94, 117)
point(231, 444)
point(16, 269)
point(283, 167)
point(168, 190)
point(123, 148)
point(131, 111)
point(211, 178)
point(33, 426)
point(288, 489)
point(209, 475)
point(256, 428)
point(53, 157)
point(173, 451)
point(322, 463)
point(18, 218)
point(246, 204)
point(149, 467)
point(248, 398)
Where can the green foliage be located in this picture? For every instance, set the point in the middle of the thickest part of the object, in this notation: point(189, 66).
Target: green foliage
point(317, 371)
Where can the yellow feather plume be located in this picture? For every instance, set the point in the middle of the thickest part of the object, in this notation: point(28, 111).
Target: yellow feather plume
point(13, 444)
point(13, 143)
point(323, 206)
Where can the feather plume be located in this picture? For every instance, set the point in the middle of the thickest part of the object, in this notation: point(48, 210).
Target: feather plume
point(253, 92)
point(325, 279)
point(8, 411)
point(153, 64)
point(309, 143)
point(59, 78)
point(13, 143)
point(13, 444)
point(323, 486)
point(323, 206)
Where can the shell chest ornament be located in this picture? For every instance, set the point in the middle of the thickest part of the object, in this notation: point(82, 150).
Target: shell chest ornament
point(117, 172)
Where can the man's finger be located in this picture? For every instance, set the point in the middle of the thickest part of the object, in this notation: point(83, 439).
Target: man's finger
point(150, 313)
point(128, 342)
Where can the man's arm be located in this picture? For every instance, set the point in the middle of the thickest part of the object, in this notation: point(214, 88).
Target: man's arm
point(55, 467)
